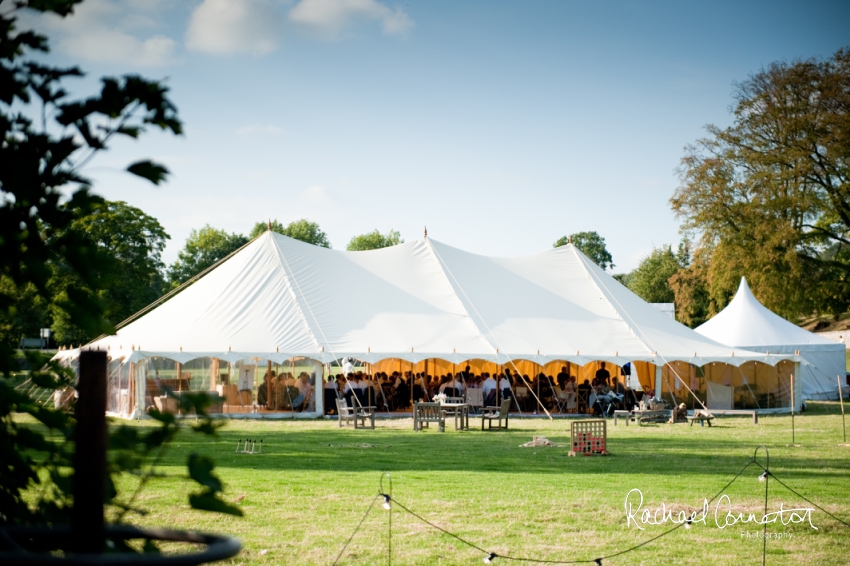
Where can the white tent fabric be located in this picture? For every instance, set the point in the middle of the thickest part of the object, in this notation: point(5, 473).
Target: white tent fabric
point(279, 298)
point(746, 323)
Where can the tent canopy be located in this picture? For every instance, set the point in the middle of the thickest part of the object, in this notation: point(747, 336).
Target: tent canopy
point(279, 298)
point(746, 323)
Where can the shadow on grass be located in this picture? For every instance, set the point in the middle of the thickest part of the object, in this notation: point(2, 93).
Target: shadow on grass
point(394, 450)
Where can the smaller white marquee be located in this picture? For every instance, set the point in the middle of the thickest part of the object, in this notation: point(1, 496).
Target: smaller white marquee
point(746, 323)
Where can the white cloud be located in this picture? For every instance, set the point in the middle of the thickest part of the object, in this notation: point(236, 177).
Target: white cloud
point(109, 31)
point(317, 195)
point(255, 129)
point(329, 17)
point(117, 47)
point(234, 26)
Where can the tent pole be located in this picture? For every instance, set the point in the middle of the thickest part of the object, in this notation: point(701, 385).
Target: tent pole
point(179, 383)
point(268, 385)
point(319, 390)
point(658, 378)
point(131, 389)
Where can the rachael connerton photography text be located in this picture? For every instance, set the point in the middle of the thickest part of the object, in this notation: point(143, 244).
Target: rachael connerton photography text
point(723, 514)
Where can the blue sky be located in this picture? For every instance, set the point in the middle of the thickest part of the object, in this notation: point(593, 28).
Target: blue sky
point(500, 125)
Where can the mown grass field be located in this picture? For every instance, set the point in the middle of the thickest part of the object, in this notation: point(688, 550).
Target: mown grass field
point(305, 494)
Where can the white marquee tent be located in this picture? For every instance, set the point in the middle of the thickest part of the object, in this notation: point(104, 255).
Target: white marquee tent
point(746, 323)
point(279, 298)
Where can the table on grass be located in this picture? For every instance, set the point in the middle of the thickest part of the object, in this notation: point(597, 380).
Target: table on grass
point(460, 411)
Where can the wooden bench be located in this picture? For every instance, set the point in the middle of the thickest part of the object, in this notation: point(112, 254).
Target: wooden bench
point(354, 414)
point(702, 419)
point(652, 416)
point(737, 412)
point(425, 413)
point(622, 415)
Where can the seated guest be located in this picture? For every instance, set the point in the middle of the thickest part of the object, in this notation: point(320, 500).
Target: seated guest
point(263, 391)
point(348, 391)
point(369, 388)
point(458, 385)
point(331, 392)
point(488, 390)
point(618, 387)
point(506, 385)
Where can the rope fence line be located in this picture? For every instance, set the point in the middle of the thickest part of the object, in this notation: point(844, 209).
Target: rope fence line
point(490, 556)
point(357, 528)
point(804, 498)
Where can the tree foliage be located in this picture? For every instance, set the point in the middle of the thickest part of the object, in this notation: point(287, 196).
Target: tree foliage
point(133, 241)
point(303, 230)
point(36, 165)
point(51, 225)
point(203, 249)
point(592, 245)
point(690, 291)
point(261, 227)
point(374, 240)
point(650, 280)
point(769, 196)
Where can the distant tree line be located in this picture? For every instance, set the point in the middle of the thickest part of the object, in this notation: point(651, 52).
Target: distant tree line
point(133, 242)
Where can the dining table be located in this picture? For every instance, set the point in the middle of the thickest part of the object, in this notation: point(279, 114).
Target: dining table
point(460, 411)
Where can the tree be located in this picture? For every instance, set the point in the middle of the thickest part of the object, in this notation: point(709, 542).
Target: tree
point(374, 240)
point(303, 230)
point(43, 196)
point(690, 291)
point(623, 278)
point(133, 241)
point(28, 314)
point(592, 245)
point(40, 160)
point(261, 227)
point(769, 196)
point(650, 280)
point(203, 249)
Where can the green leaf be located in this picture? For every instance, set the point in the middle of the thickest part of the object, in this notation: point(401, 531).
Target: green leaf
point(200, 470)
point(207, 501)
point(149, 170)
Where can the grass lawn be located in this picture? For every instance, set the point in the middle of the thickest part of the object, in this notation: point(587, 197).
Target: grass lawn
point(305, 494)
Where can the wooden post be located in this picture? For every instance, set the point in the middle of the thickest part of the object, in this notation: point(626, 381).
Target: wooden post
point(131, 389)
point(841, 400)
point(214, 368)
point(179, 383)
point(793, 407)
point(90, 455)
